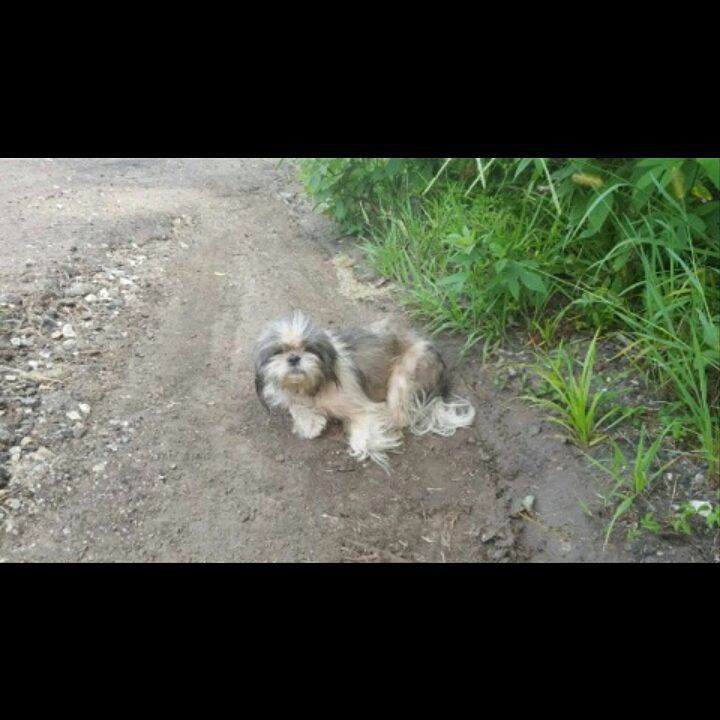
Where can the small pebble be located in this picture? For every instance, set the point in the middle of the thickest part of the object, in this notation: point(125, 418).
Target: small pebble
point(699, 480)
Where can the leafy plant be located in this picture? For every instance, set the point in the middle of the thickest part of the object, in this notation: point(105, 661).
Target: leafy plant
point(650, 524)
point(352, 189)
point(681, 521)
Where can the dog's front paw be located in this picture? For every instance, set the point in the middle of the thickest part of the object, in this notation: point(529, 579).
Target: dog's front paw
point(309, 427)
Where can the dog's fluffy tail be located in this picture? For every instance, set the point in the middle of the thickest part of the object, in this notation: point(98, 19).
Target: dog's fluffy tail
point(441, 416)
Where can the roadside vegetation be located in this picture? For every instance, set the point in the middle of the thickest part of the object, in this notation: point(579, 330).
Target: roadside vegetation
point(578, 257)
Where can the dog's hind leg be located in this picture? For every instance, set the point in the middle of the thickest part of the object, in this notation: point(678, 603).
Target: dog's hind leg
point(419, 394)
point(372, 436)
point(418, 373)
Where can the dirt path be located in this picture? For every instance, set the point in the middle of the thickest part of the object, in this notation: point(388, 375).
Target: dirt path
point(146, 442)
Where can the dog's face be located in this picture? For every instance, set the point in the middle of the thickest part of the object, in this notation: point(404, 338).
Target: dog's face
point(293, 356)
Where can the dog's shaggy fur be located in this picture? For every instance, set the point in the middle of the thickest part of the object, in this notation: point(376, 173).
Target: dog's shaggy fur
point(377, 380)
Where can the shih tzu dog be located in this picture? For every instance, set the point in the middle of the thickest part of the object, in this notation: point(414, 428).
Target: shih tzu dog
point(377, 380)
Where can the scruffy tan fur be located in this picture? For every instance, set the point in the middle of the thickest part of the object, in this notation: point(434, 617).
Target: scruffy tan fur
point(377, 380)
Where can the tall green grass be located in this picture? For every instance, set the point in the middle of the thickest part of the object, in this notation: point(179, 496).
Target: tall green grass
point(575, 405)
point(672, 314)
point(485, 245)
point(471, 267)
point(632, 477)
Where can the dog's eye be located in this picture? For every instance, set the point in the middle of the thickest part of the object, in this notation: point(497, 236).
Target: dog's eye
point(272, 352)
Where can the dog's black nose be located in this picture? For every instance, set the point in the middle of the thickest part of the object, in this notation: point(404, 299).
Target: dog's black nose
point(294, 360)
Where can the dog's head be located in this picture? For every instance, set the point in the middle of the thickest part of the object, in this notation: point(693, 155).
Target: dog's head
point(293, 356)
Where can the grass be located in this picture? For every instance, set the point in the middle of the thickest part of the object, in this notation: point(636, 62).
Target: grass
point(483, 266)
point(629, 247)
point(573, 403)
point(466, 267)
point(676, 336)
point(633, 477)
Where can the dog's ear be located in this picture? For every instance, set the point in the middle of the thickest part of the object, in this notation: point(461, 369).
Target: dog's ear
point(321, 346)
point(262, 356)
point(260, 388)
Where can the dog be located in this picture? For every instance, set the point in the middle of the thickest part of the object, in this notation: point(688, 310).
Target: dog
point(377, 380)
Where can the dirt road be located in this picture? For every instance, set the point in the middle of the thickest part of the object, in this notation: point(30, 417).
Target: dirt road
point(132, 292)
